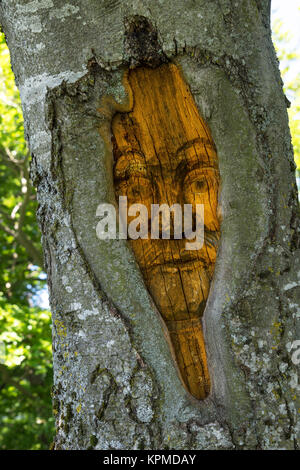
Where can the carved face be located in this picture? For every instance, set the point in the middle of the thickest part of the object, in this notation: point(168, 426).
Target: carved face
point(164, 153)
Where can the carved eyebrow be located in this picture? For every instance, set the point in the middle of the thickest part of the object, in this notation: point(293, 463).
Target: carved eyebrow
point(204, 167)
point(198, 140)
point(197, 159)
point(129, 159)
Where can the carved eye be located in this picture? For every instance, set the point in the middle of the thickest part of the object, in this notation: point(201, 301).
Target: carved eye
point(199, 185)
point(139, 190)
point(200, 181)
point(195, 182)
point(136, 188)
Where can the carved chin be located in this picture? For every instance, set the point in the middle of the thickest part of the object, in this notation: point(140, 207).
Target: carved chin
point(179, 293)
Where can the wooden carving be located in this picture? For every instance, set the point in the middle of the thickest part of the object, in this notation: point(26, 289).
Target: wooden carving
point(164, 153)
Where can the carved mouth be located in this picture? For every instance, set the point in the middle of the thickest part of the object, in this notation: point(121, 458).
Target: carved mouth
point(170, 254)
point(177, 265)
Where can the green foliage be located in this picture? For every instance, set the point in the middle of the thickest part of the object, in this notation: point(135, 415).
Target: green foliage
point(286, 56)
point(11, 120)
point(26, 420)
point(26, 377)
point(21, 259)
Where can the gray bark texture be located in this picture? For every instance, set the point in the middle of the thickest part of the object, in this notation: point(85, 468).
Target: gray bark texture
point(116, 385)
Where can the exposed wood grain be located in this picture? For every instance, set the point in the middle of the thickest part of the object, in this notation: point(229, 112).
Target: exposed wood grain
point(164, 153)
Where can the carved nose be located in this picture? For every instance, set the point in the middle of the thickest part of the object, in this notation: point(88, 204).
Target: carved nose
point(167, 192)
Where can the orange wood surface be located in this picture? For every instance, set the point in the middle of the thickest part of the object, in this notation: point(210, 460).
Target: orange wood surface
point(164, 153)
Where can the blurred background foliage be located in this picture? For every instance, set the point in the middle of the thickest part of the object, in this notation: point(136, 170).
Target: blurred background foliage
point(291, 79)
point(26, 420)
point(26, 376)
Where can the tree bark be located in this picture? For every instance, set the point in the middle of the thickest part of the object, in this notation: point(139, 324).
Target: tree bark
point(116, 385)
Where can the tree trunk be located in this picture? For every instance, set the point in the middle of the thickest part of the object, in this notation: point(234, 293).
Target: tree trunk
point(116, 383)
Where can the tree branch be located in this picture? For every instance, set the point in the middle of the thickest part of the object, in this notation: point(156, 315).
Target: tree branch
point(8, 380)
point(33, 252)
